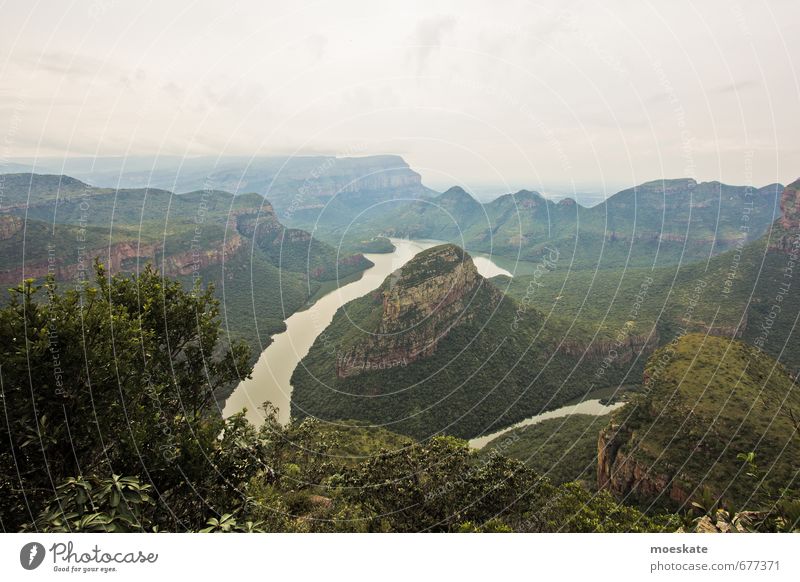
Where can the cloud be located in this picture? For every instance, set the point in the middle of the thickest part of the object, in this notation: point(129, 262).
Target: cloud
point(59, 63)
point(428, 38)
point(738, 86)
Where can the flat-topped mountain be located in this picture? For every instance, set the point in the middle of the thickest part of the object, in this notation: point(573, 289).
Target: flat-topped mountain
point(298, 186)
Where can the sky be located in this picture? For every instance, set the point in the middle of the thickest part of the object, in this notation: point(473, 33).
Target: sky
point(553, 96)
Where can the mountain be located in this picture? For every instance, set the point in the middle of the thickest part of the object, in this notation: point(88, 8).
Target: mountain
point(562, 449)
point(439, 349)
point(706, 400)
point(656, 223)
point(299, 187)
point(263, 271)
point(732, 294)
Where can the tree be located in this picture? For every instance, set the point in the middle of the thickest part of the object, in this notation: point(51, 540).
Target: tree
point(117, 377)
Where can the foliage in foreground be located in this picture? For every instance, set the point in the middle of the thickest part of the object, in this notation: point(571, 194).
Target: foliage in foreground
point(109, 424)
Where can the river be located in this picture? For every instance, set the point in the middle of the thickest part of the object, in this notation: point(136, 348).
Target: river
point(273, 371)
point(592, 407)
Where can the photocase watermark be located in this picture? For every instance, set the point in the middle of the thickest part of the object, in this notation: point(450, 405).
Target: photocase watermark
point(83, 259)
point(66, 558)
point(31, 555)
point(686, 137)
point(195, 244)
point(546, 265)
point(352, 364)
point(744, 225)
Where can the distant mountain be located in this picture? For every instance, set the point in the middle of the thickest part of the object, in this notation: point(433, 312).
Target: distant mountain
point(706, 400)
point(438, 349)
point(656, 223)
point(263, 271)
point(732, 294)
point(298, 187)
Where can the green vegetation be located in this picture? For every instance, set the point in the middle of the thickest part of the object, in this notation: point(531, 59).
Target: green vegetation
point(562, 449)
point(268, 271)
point(147, 353)
point(658, 223)
point(379, 244)
point(139, 350)
point(495, 363)
point(735, 290)
point(707, 400)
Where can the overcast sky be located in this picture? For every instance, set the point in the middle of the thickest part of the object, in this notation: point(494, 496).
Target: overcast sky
point(546, 95)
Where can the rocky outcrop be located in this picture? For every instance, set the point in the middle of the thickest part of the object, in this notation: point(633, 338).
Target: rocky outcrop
point(786, 236)
point(120, 256)
point(418, 306)
point(9, 226)
point(790, 207)
point(626, 477)
point(621, 350)
point(704, 400)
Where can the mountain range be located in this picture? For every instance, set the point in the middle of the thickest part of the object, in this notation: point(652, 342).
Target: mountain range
point(656, 223)
point(263, 271)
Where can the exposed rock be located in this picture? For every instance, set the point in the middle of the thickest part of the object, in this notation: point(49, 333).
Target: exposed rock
point(673, 439)
point(119, 256)
point(419, 305)
point(9, 226)
point(623, 350)
point(786, 235)
point(625, 476)
point(790, 206)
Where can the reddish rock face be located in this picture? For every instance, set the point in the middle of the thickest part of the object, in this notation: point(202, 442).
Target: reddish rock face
point(624, 476)
point(116, 255)
point(419, 306)
point(790, 206)
point(9, 226)
point(786, 237)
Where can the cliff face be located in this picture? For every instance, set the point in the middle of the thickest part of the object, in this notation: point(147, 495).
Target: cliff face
point(9, 226)
point(625, 348)
point(626, 476)
point(705, 399)
point(790, 206)
point(419, 305)
point(787, 236)
point(118, 256)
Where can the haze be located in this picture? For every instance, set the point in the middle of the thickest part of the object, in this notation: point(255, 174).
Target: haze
point(551, 96)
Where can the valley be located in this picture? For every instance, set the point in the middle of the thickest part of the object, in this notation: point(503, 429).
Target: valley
point(386, 344)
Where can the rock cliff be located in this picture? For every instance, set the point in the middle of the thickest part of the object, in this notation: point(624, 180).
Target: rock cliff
point(786, 236)
point(418, 306)
point(705, 400)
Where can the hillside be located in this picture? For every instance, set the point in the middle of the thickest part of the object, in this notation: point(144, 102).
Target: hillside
point(296, 185)
point(263, 272)
point(561, 449)
point(654, 224)
point(438, 349)
point(706, 400)
point(731, 294)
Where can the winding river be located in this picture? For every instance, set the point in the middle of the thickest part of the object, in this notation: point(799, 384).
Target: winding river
point(592, 407)
point(273, 371)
